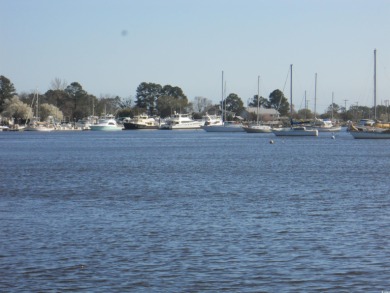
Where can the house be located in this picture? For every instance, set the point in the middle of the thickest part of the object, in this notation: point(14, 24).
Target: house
point(267, 116)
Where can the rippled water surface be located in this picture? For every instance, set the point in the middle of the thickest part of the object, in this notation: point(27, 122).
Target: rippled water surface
point(190, 211)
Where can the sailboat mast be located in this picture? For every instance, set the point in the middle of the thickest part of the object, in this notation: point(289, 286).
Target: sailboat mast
point(315, 97)
point(37, 111)
point(258, 97)
point(222, 108)
point(375, 84)
point(291, 106)
point(305, 106)
point(332, 104)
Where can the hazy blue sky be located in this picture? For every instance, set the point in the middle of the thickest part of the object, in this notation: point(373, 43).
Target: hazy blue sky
point(111, 46)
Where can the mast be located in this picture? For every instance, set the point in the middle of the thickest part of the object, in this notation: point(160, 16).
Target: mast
point(222, 108)
point(37, 110)
point(258, 97)
point(332, 104)
point(305, 106)
point(291, 106)
point(375, 84)
point(315, 97)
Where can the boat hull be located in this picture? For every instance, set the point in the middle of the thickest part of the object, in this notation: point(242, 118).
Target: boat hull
point(105, 128)
point(38, 128)
point(182, 126)
point(370, 134)
point(255, 129)
point(135, 126)
point(295, 132)
point(329, 129)
point(221, 128)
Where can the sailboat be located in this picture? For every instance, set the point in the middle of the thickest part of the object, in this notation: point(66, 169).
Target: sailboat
point(257, 128)
point(374, 130)
point(35, 124)
point(323, 125)
point(227, 126)
point(294, 130)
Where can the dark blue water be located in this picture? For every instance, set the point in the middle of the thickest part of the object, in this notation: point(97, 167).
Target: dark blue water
point(190, 211)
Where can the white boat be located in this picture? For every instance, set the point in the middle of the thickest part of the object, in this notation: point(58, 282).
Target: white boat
point(212, 119)
point(106, 123)
point(142, 121)
point(325, 125)
point(224, 126)
point(256, 128)
point(227, 126)
point(294, 130)
point(373, 133)
point(181, 121)
point(35, 124)
point(85, 124)
point(371, 129)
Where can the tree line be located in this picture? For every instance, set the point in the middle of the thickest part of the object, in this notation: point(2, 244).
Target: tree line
point(70, 102)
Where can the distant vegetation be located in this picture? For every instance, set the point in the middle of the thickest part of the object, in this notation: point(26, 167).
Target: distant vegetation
point(70, 102)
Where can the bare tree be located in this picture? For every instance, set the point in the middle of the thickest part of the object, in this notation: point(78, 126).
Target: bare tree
point(58, 84)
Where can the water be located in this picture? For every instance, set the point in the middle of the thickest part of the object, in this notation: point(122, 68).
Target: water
point(190, 211)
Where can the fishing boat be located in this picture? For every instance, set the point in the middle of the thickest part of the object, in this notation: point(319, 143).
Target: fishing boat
point(368, 129)
point(181, 121)
point(294, 130)
point(106, 123)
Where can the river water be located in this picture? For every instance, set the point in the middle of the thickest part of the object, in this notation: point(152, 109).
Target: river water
point(191, 211)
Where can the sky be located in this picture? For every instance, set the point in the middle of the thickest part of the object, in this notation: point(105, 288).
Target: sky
point(111, 46)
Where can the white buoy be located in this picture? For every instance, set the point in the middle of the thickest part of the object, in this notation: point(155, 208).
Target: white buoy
point(271, 141)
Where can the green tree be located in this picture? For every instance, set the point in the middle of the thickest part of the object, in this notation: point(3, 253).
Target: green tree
point(262, 101)
point(166, 105)
point(278, 101)
point(304, 114)
point(233, 103)
point(147, 95)
point(180, 101)
point(7, 91)
point(80, 99)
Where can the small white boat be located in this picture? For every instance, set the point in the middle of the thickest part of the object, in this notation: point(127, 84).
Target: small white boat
point(295, 131)
point(212, 120)
point(325, 125)
point(367, 128)
point(257, 129)
point(228, 126)
point(106, 123)
point(36, 125)
point(85, 124)
point(181, 121)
